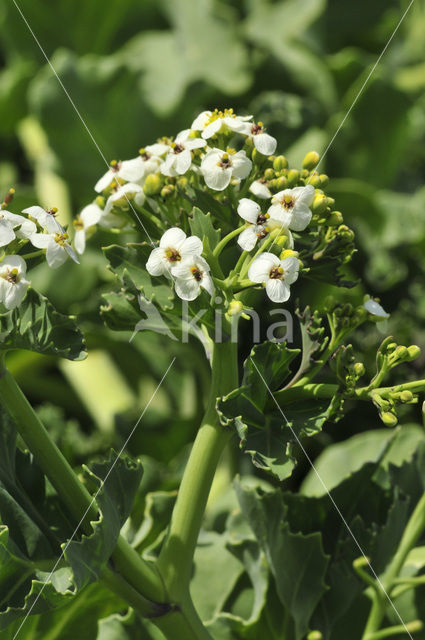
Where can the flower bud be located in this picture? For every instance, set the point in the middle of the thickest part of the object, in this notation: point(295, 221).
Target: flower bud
point(335, 219)
point(413, 351)
point(182, 182)
point(293, 176)
point(167, 191)
point(406, 396)
point(401, 352)
point(314, 635)
point(152, 184)
point(100, 201)
point(414, 626)
point(279, 163)
point(304, 174)
point(388, 418)
point(345, 232)
point(391, 346)
point(324, 179)
point(311, 160)
point(320, 203)
point(289, 253)
point(315, 181)
point(281, 183)
point(359, 369)
point(257, 157)
point(235, 308)
point(269, 174)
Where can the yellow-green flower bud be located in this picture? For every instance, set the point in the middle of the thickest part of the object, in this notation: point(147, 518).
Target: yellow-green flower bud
point(406, 396)
point(167, 191)
point(235, 308)
point(335, 219)
point(152, 184)
point(279, 163)
point(257, 157)
point(315, 181)
point(331, 201)
point(100, 201)
point(389, 419)
point(391, 346)
point(414, 351)
point(293, 177)
point(320, 204)
point(281, 183)
point(324, 179)
point(182, 182)
point(345, 232)
point(288, 253)
point(269, 174)
point(401, 352)
point(359, 369)
point(314, 635)
point(311, 160)
point(414, 626)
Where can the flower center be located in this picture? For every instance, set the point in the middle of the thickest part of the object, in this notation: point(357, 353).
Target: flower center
point(177, 148)
point(257, 128)
point(78, 224)
point(262, 218)
point(276, 273)
point(144, 154)
point(287, 202)
point(53, 211)
point(172, 255)
point(225, 161)
point(11, 276)
point(216, 114)
point(197, 273)
point(115, 165)
point(61, 238)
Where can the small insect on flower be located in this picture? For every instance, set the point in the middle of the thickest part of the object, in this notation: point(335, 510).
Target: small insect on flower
point(192, 275)
point(13, 284)
point(88, 217)
point(174, 247)
point(292, 207)
point(179, 157)
point(276, 274)
point(218, 167)
point(14, 226)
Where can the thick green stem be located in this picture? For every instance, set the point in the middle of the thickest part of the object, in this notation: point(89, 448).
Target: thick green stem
point(176, 557)
point(224, 241)
point(74, 495)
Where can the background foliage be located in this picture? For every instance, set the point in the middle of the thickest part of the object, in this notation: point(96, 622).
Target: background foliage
point(138, 70)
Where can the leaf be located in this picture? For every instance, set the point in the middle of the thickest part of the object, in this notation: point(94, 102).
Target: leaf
point(297, 561)
point(201, 226)
point(36, 326)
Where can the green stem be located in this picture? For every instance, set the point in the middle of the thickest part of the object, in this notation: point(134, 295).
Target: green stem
point(394, 631)
point(224, 241)
point(71, 491)
point(175, 560)
point(33, 254)
point(267, 242)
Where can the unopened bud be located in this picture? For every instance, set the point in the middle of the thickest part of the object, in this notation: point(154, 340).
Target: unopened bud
point(359, 369)
point(389, 419)
point(235, 308)
point(414, 626)
point(311, 160)
point(320, 203)
point(293, 177)
point(279, 163)
point(281, 183)
point(100, 201)
point(289, 253)
point(345, 232)
point(406, 396)
point(414, 351)
point(257, 157)
point(335, 219)
point(314, 635)
point(269, 174)
point(324, 179)
point(401, 352)
point(182, 182)
point(167, 191)
point(391, 346)
point(315, 181)
point(152, 184)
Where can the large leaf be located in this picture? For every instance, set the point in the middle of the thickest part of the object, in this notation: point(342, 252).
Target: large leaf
point(36, 325)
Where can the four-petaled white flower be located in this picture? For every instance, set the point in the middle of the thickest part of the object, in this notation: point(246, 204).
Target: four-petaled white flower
point(174, 248)
point(373, 307)
point(211, 122)
point(123, 195)
point(13, 284)
point(219, 167)
point(46, 218)
point(292, 207)
point(251, 212)
point(276, 274)
point(263, 142)
point(57, 247)
point(88, 217)
point(260, 189)
point(192, 275)
point(14, 226)
point(179, 157)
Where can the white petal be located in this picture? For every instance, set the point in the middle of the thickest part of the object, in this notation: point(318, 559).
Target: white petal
point(13, 262)
point(200, 121)
point(182, 136)
point(139, 198)
point(15, 294)
point(260, 190)
point(56, 255)
point(248, 210)
point(167, 167)
point(71, 253)
point(173, 238)
point(241, 165)
point(35, 212)
point(375, 309)
point(247, 239)
point(6, 233)
point(52, 225)
point(207, 284)
point(157, 149)
point(212, 128)
point(195, 143)
point(91, 215)
point(192, 246)
point(41, 240)
point(132, 170)
point(156, 265)
point(290, 268)
point(183, 162)
point(304, 195)
point(80, 241)
point(26, 229)
point(277, 290)
point(280, 215)
point(102, 184)
point(187, 288)
point(265, 144)
point(217, 178)
point(300, 218)
point(259, 270)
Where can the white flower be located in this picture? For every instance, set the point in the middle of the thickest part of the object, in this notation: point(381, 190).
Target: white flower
point(46, 218)
point(179, 157)
point(260, 189)
point(57, 247)
point(13, 284)
point(210, 122)
point(263, 142)
point(219, 167)
point(174, 247)
point(191, 275)
point(123, 195)
point(276, 274)
point(133, 170)
point(375, 309)
point(8, 227)
point(260, 225)
point(291, 207)
point(88, 217)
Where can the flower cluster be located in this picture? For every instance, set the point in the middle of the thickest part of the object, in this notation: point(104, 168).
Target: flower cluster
point(230, 158)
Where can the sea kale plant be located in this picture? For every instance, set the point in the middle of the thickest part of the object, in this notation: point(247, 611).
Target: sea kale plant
point(213, 236)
